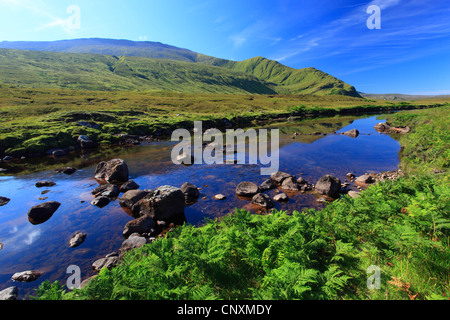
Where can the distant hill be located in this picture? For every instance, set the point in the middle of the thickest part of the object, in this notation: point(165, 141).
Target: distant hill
point(134, 66)
point(399, 96)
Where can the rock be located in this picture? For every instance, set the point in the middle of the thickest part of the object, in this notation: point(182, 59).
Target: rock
point(77, 239)
point(263, 200)
point(382, 127)
point(107, 190)
point(113, 171)
point(402, 130)
point(354, 194)
point(281, 197)
point(132, 242)
point(85, 142)
point(191, 192)
point(129, 185)
point(101, 201)
point(58, 153)
point(8, 158)
point(166, 203)
point(4, 201)
point(66, 170)
point(301, 181)
point(10, 294)
point(109, 263)
point(279, 176)
point(140, 225)
point(41, 184)
point(350, 176)
point(329, 186)
point(247, 189)
point(26, 276)
point(132, 197)
point(364, 180)
point(42, 212)
point(220, 197)
point(352, 133)
point(267, 185)
point(289, 184)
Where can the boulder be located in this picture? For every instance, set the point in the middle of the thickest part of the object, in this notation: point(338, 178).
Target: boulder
point(382, 127)
point(279, 176)
point(26, 276)
point(247, 189)
point(42, 212)
point(354, 194)
point(85, 142)
point(130, 198)
point(140, 225)
point(129, 185)
point(10, 294)
point(301, 181)
point(100, 201)
point(191, 192)
point(106, 190)
point(166, 203)
point(113, 171)
point(267, 185)
point(133, 242)
point(107, 262)
point(281, 197)
point(41, 184)
point(263, 200)
point(4, 201)
point(329, 186)
point(77, 239)
point(352, 133)
point(289, 183)
point(364, 180)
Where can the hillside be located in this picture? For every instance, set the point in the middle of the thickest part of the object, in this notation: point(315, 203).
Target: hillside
point(262, 75)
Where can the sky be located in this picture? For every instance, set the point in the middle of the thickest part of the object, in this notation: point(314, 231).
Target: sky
point(408, 51)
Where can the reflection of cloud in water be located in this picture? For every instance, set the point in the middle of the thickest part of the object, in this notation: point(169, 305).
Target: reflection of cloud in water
point(25, 235)
point(32, 236)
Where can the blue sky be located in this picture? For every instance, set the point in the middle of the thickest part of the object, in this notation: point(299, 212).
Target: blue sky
point(409, 54)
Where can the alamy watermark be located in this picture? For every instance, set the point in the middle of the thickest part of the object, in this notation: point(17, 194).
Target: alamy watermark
point(211, 148)
point(374, 280)
point(374, 21)
point(74, 281)
point(74, 20)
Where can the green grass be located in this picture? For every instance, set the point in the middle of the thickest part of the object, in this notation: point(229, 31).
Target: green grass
point(402, 227)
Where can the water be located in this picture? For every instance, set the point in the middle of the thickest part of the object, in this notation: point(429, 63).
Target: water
point(45, 247)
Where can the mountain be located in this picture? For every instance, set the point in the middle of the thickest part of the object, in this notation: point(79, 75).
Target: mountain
point(155, 66)
point(399, 96)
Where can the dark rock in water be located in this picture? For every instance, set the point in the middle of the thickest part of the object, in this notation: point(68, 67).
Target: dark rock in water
point(130, 198)
point(113, 171)
point(281, 197)
point(9, 294)
point(301, 181)
point(66, 170)
point(290, 184)
point(350, 176)
point(107, 190)
point(26, 276)
point(85, 142)
point(352, 133)
point(77, 239)
point(263, 200)
point(329, 186)
point(166, 203)
point(58, 153)
point(140, 225)
point(101, 201)
point(129, 185)
point(4, 201)
point(279, 176)
point(42, 212)
point(191, 192)
point(364, 180)
point(247, 189)
point(41, 184)
point(268, 184)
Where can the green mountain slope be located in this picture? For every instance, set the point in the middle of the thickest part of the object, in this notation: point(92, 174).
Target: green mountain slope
point(199, 73)
point(100, 72)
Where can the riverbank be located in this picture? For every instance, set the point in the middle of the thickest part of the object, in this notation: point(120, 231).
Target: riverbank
point(398, 227)
point(38, 122)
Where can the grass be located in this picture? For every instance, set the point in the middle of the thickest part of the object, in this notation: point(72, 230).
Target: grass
point(33, 121)
point(402, 227)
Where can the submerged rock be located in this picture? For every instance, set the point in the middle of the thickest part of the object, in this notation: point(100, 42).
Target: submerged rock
point(101, 201)
point(279, 176)
point(352, 133)
point(41, 184)
point(129, 185)
point(4, 201)
point(66, 170)
point(191, 192)
point(281, 197)
point(77, 239)
point(26, 276)
point(107, 190)
point(263, 200)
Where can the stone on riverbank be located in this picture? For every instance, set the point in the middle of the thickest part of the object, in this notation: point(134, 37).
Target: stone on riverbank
point(329, 186)
point(113, 171)
point(247, 189)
